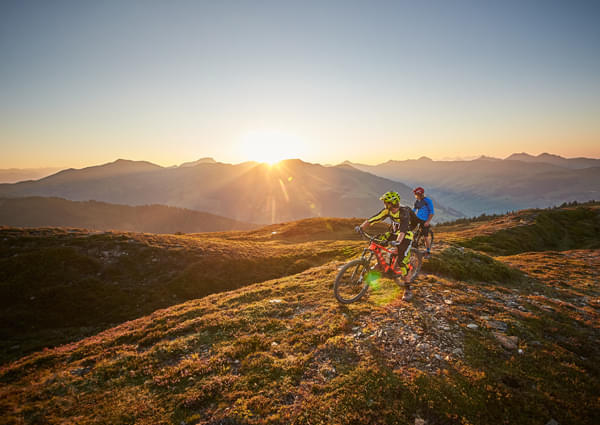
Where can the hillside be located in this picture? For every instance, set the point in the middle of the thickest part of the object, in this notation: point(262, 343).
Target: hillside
point(488, 185)
point(59, 285)
point(487, 340)
point(247, 192)
point(51, 212)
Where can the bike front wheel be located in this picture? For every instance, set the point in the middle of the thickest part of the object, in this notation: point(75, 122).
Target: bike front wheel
point(415, 263)
point(352, 281)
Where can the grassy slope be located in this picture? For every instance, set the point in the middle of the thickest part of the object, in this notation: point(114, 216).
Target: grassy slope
point(283, 351)
point(38, 211)
point(57, 285)
point(561, 229)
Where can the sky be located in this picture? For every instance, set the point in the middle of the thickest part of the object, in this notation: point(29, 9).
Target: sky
point(87, 82)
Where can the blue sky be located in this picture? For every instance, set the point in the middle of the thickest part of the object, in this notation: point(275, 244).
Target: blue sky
point(86, 82)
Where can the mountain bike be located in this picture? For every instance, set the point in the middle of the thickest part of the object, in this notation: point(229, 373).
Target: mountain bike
point(355, 277)
point(419, 239)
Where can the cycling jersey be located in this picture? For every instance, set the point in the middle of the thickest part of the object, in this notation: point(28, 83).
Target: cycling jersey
point(424, 208)
point(402, 220)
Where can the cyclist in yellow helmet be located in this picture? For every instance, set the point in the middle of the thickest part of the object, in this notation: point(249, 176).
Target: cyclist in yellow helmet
point(403, 220)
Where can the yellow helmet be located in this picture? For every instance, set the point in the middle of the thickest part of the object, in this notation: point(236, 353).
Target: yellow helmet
point(391, 197)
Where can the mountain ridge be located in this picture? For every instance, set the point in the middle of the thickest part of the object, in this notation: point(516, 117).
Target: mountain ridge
point(249, 192)
point(95, 215)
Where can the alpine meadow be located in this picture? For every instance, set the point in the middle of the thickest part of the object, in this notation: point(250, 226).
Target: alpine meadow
point(299, 212)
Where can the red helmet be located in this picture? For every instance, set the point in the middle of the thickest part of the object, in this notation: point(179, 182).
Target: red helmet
point(419, 191)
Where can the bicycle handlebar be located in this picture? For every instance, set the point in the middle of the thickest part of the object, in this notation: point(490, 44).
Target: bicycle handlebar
point(373, 237)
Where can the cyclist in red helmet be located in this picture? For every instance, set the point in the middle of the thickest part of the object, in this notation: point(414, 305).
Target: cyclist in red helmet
point(424, 209)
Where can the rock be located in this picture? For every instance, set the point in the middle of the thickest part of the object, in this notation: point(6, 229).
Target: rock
point(438, 357)
point(484, 317)
point(552, 422)
point(472, 326)
point(419, 421)
point(501, 326)
point(448, 302)
point(80, 371)
point(274, 344)
point(508, 342)
point(275, 301)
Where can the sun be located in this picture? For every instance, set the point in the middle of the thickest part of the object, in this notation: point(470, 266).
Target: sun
point(270, 146)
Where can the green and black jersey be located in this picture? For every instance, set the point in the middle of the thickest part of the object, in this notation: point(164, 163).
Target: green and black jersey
point(402, 220)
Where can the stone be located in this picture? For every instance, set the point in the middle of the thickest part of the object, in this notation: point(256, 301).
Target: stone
point(80, 371)
point(508, 342)
point(472, 326)
point(419, 421)
point(501, 326)
point(552, 422)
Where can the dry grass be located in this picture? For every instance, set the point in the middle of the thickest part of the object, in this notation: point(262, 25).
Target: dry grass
point(284, 352)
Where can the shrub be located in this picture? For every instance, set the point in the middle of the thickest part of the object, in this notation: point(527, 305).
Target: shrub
point(464, 264)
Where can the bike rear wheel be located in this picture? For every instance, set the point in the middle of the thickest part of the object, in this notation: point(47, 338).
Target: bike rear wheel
point(351, 282)
point(420, 241)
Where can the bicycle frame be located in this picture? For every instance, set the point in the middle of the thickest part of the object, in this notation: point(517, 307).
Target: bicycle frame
point(419, 238)
point(377, 250)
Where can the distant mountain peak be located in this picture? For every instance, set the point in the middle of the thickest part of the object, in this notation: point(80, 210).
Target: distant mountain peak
point(128, 162)
point(425, 158)
point(205, 160)
point(547, 155)
point(519, 157)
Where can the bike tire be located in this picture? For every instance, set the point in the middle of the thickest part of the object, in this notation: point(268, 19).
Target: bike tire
point(415, 263)
point(351, 283)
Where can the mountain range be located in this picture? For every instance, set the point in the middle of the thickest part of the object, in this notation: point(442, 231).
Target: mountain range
point(491, 185)
point(252, 192)
point(248, 192)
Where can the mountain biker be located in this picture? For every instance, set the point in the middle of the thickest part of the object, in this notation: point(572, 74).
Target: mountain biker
point(424, 209)
point(400, 230)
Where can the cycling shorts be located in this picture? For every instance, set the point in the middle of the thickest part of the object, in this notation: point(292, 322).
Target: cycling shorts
point(424, 229)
